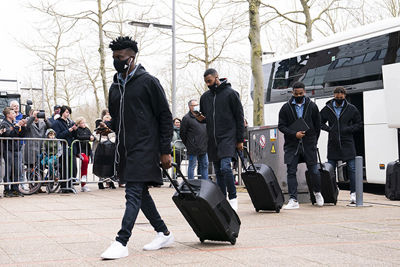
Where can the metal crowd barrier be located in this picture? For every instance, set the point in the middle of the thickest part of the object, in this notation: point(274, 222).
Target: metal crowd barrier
point(87, 148)
point(180, 156)
point(31, 163)
point(27, 164)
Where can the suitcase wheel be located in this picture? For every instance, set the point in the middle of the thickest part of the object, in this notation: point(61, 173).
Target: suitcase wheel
point(257, 210)
point(278, 209)
point(233, 240)
point(201, 240)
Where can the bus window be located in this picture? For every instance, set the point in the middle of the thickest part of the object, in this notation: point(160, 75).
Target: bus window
point(382, 54)
point(341, 62)
point(358, 60)
point(369, 56)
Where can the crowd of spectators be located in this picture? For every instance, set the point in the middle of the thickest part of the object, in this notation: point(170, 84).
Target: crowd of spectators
point(23, 151)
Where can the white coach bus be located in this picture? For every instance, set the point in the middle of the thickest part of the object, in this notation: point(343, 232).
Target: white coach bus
point(353, 60)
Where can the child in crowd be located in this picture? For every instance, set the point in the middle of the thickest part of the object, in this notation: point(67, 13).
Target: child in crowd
point(51, 151)
point(84, 149)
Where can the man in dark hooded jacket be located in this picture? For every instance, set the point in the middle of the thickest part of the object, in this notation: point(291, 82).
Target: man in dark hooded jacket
point(221, 109)
point(142, 122)
point(300, 146)
point(344, 120)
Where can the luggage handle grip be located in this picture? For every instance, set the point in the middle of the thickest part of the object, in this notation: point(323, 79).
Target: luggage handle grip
point(251, 161)
point(181, 174)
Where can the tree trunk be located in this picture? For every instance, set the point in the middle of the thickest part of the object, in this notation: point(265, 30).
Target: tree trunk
point(308, 21)
point(102, 53)
point(96, 97)
point(256, 63)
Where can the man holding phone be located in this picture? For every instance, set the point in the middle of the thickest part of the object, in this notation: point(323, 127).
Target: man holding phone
point(222, 112)
point(194, 136)
point(300, 122)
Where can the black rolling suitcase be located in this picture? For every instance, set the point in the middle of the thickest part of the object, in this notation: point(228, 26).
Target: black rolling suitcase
point(392, 186)
point(263, 187)
point(206, 209)
point(329, 188)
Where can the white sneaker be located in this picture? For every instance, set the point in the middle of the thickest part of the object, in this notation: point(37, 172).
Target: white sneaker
point(115, 251)
point(319, 200)
point(291, 205)
point(353, 198)
point(160, 241)
point(234, 203)
point(85, 188)
point(83, 178)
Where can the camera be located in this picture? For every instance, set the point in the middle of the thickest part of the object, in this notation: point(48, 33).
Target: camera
point(41, 114)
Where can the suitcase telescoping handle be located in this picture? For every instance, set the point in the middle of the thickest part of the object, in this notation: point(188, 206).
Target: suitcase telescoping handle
point(319, 159)
point(183, 177)
point(248, 154)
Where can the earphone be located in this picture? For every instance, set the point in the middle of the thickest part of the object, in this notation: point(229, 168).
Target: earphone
point(121, 115)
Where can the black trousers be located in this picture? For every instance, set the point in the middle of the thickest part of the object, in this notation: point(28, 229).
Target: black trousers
point(138, 198)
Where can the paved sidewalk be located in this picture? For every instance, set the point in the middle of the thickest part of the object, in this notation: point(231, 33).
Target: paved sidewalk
point(73, 230)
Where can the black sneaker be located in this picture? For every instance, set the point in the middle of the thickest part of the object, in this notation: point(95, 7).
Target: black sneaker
point(101, 186)
point(7, 194)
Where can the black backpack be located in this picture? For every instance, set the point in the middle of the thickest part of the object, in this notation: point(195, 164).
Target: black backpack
point(104, 158)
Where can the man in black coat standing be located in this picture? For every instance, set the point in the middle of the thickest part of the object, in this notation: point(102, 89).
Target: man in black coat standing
point(300, 146)
point(344, 120)
point(222, 111)
point(194, 136)
point(142, 122)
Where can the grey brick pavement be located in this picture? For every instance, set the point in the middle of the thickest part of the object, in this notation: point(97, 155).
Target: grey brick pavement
point(73, 230)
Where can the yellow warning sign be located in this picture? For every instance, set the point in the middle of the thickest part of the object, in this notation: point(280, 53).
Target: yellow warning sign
point(273, 149)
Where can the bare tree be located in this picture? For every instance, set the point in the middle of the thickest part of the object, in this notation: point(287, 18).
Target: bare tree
point(206, 30)
point(96, 16)
point(70, 89)
point(308, 21)
point(392, 6)
point(52, 44)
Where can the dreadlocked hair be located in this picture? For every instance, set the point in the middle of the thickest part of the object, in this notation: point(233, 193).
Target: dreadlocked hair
point(123, 42)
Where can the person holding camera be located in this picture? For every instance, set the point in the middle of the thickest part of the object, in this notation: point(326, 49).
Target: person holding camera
point(36, 127)
point(12, 151)
point(66, 129)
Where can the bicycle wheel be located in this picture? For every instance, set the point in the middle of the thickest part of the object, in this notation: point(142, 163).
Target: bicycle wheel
point(52, 187)
point(32, 184)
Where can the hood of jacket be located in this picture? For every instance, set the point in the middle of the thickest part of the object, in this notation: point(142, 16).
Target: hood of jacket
point(140, 71)
point(224, 83)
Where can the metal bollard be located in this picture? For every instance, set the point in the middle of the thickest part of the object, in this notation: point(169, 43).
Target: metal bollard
point(359, 181)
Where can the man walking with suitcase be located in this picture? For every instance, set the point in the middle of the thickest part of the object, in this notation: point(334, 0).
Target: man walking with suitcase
point(142, 122)
point(300, 122)
point(344, 120)
point(221, 109)
point(194, 136)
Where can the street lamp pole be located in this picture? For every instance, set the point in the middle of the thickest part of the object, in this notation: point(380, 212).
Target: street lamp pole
point(173, 93)
point(172, 28)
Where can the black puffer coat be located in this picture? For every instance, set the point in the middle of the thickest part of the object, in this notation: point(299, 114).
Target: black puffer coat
point(143, 126)
point(340, 139)
point(194, 135)
point(224, 118)
point(288, 115)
